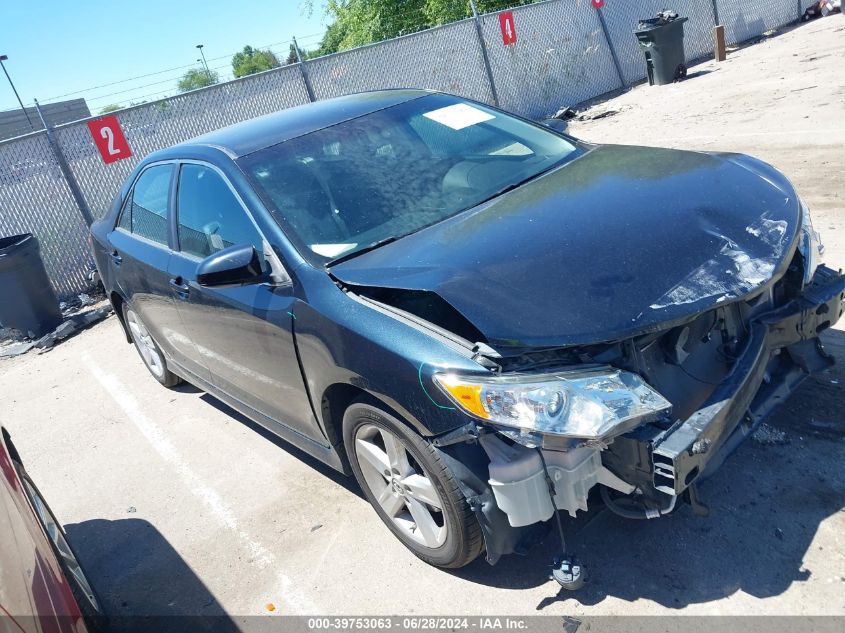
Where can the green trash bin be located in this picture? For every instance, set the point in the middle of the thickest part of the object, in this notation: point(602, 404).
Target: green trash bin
point(662, 41)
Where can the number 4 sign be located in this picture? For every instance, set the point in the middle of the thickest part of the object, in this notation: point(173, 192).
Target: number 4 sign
point(109, 139)
point(508, 28)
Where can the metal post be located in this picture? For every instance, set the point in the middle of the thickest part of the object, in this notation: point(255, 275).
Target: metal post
point(484, 57)
point(302, 69)
point(204, 63)
point(612, 49)
point(800, 9)
point(716, 13)
point(15, 90)
point(75, 191)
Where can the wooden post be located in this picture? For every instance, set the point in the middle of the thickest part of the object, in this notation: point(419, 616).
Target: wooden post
point(719, 37)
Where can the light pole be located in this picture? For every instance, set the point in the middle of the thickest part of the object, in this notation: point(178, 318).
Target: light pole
point(204, 63)
point(3, 58)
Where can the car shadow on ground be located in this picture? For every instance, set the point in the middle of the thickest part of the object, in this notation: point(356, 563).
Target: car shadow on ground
point(142, 581)
point(766, 502)
point(186, 387)
point(340, 479)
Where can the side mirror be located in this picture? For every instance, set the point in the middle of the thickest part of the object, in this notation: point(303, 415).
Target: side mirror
point(237, 265)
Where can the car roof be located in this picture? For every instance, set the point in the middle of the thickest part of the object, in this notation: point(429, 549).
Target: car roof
point(250, 136)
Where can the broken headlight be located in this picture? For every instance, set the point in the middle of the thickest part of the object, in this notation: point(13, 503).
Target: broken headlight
point(810, 245)
point(592, 403)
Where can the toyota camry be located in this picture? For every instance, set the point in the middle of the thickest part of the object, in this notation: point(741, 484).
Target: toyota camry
point(484, 320)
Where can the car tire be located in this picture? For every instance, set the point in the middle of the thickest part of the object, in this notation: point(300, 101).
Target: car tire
point(411, 488)
point(89, 603)
point(148, 349)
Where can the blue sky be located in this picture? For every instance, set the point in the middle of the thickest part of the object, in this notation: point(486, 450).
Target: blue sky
point(57, 47)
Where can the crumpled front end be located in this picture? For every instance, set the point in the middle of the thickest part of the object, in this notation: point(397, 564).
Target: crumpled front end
point(722, 372)
point(633, 314)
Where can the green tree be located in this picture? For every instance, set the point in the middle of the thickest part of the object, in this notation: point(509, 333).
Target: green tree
point(291, 58)
point(443, 11)
point(250, 61)
point(197, 78)
point(358, 22)
point(110, 108)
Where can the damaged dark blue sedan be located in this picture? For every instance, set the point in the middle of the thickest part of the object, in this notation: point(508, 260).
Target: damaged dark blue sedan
point(482, 319)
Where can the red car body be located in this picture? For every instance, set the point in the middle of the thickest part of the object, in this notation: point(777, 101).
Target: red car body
point(35, 594)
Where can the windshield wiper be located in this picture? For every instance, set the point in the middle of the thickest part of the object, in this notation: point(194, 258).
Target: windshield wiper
point(361, 251)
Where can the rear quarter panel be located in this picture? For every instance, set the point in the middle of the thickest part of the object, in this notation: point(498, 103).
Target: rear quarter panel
point(33, 589)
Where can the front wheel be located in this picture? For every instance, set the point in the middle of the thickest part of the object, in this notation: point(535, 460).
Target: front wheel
point(411, 488)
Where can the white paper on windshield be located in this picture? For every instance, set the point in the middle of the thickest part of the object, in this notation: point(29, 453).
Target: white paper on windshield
point(458, 116)
point(331, 250)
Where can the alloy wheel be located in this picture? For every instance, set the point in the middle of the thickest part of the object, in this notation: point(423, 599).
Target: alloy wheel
point(400, 486)
point(56, 535)
point(145, 344)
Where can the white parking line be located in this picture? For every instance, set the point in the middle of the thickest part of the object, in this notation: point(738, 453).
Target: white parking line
point(259, 554)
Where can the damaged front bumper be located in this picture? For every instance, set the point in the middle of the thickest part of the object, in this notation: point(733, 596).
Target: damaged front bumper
point(654, 464)
point(782, 349)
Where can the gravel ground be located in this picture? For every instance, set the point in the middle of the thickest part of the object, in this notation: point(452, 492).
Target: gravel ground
point(177, 505)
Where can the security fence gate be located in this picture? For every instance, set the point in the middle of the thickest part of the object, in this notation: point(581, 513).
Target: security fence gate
point(566, 52)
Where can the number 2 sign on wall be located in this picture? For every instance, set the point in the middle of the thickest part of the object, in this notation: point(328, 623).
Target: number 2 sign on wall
point(109, 139)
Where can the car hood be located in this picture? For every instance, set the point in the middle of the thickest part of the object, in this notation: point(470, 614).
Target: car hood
point(614, 243)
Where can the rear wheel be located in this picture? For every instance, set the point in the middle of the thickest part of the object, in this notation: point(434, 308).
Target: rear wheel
point(84, 594)
point(148, 349)
point(411, 488)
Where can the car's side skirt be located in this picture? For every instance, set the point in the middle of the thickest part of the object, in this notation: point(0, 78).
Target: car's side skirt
point(326, 454)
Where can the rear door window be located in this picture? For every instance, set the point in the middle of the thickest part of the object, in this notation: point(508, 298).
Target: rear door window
point(211, 217)
point(145, 213)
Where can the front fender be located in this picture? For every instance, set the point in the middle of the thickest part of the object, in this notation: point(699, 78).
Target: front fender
point(344, 341)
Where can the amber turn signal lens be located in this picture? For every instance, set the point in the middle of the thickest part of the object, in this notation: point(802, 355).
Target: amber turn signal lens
point(469, 396)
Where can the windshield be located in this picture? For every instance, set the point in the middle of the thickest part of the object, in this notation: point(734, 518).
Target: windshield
point(387, 174)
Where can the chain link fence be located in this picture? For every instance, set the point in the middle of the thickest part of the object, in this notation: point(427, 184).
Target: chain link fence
point(35, 198)
point(160, 124)
point(745, 20)
point(565, 53)
point(446, 58)
point(561, 57)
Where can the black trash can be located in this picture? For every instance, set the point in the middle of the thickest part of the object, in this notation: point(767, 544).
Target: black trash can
point(662, 42)
point(27, 300)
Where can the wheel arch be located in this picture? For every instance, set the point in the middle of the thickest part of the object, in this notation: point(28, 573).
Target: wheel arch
point(117, 302)
point(335, 401)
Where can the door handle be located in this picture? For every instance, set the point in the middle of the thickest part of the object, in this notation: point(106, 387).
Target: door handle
point(181, 288)
point(116, 258)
